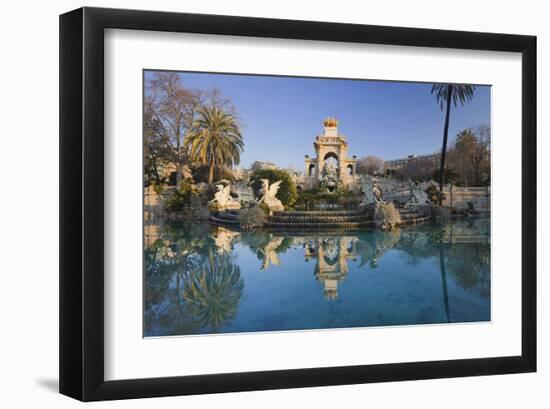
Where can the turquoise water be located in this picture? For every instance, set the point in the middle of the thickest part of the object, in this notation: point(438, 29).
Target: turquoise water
point(202, 279)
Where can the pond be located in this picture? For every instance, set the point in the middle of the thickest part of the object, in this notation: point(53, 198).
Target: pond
point(203, 279)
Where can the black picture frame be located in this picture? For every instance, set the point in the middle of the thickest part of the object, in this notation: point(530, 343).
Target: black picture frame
point(82, 199)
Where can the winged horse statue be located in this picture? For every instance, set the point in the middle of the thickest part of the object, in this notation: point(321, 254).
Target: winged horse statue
point(224, 200)
point(269, 196)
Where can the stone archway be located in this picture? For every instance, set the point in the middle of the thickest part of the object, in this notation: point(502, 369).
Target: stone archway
point(330, 161)
point(330, 172)
point(331, 154)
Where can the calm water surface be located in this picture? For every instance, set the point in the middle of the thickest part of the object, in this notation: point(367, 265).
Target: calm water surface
point(203, 279)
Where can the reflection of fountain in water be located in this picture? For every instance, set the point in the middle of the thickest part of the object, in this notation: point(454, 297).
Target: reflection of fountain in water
point(192, 279)
point(270, 252)
point(224, 239)
point(331, 255)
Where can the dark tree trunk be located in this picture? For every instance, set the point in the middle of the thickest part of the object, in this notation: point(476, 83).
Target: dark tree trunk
point(179, 171)
point(211, 174)
point(444, 147)
point(158, 179)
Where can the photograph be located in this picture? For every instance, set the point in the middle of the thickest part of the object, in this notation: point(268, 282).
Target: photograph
point(214, 193)
point(281, 203)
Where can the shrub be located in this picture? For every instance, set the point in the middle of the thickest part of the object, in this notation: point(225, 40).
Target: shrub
point(305, 199)
point(390, 172)
point(252, 218)
point(434, 194)
point(311, 198)
point(349, 200)
point(157, 188)
point(181, 198)
point(287, 190)
point(386, 216)
point(344, 197)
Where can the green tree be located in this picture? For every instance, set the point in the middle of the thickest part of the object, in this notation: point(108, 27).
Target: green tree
point(462, 156)
point(447, 94)
point(470, 157)
point(482, 157)
point(287, 191)
point(181, 198)
point(216, 139)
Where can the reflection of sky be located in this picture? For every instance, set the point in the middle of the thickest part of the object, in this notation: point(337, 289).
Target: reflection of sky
point(394, 293)
point(282, 115)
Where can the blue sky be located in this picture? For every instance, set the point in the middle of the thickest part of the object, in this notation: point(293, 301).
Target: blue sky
point(282, 115)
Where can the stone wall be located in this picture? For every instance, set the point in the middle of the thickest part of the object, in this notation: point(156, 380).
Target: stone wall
point(153, 201)
point(458, 197)
point(461, 197)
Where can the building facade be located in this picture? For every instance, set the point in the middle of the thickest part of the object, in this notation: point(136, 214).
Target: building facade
point(429, 161)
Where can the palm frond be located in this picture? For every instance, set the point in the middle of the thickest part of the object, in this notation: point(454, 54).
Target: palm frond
point(460, 93)
point(216, 138)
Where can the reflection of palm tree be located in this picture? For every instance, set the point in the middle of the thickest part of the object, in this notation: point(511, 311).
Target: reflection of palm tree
point(175, 272)
point(444, 281)
point(213, 292)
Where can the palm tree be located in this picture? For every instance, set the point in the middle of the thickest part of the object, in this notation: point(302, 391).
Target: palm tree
point(216, 140)
point(445, 94)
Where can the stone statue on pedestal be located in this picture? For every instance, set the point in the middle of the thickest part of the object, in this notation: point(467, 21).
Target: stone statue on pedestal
point(330, 176)
point(223, 200)
point(368, 194)
point(269, 196)
point(418, 197)
point(377, 193)
point(371, 194)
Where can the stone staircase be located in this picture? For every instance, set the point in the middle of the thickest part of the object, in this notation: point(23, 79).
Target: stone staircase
point(226, 218)
point(323, 219)
point(320, 219)
point(413, 216)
